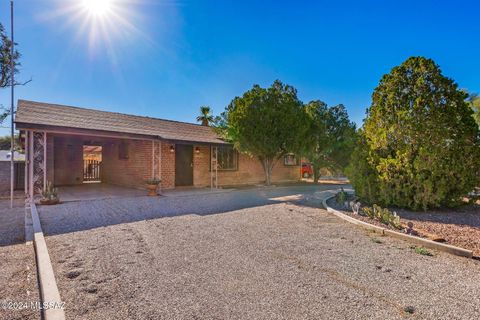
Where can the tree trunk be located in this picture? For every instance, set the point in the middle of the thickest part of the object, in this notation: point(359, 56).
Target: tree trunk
point(267, 164)
point(316, 173)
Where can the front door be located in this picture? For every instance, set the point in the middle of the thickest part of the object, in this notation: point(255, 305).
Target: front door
point(183, 165)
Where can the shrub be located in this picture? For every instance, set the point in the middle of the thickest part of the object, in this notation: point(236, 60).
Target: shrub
point(419, 147)
point(341, 197)
point(383, 215)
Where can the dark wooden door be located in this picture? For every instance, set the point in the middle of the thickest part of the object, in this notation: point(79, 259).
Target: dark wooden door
point(183, 165)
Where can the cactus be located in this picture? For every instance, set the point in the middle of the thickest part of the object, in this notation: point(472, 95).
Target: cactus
point(49, 192)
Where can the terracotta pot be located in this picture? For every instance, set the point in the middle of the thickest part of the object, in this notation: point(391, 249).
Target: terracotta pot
point(49, 202)
point(152, 189)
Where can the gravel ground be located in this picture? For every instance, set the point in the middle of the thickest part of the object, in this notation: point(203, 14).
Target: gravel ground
point(459, 227)
point(282, 260)
point(18, 282)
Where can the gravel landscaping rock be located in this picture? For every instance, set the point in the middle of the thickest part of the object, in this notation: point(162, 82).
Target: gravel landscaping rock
point(459, 227)
point(281, 260)
point(18, 279)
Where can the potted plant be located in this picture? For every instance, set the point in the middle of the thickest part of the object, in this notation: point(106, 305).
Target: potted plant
point(49, 195)
point(152, 186)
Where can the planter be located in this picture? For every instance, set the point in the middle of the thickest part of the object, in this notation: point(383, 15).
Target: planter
point(49, 202)
point(152, 189)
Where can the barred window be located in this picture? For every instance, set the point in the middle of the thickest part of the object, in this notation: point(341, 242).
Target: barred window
point(290, 160)
point(227, 157)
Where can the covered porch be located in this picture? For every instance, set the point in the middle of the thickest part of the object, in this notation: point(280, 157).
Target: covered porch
point(86, 165)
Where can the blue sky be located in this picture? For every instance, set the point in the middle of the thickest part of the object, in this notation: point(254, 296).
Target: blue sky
point(166, 58)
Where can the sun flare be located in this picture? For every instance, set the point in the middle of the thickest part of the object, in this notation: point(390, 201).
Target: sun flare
point(98, 7)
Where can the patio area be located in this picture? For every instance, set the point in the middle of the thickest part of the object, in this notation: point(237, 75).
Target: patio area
point(96, 191)
point(99, 191)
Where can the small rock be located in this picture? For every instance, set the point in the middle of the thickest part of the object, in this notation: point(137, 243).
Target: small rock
point(91, 289)
point(409, 309)
point(72, 274)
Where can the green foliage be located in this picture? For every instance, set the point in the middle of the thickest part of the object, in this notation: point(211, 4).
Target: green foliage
point(423, 251)
point(266, 123)
point(329, 138)
point(419, 147)
point(341, 196)
point(6, 67)
point(383, 215)
point(50, 193)
point(205, 118)
point(5, 142)
point(474, 102)
point(6, 58)
point(154, 181)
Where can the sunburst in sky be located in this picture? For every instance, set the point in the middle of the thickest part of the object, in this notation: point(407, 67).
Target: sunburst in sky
point(99, 23)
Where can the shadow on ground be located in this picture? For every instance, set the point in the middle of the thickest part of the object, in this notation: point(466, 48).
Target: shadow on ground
point(12, 222)
point(85, 215)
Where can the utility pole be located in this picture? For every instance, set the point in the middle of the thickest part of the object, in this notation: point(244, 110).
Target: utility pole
point(12, 129)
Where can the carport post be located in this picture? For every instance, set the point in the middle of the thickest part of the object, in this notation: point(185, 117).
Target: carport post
point(216, 167)
point(27, 161)
point(153, 159)
point(30, 165)
point(44, 160)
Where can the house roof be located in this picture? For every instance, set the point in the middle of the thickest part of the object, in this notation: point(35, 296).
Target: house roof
point(5, 155)
point(47, 114)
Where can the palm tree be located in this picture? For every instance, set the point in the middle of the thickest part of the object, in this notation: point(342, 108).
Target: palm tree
point(205, 117)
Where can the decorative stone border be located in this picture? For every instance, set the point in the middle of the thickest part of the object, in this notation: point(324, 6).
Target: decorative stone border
point(46, 278)
point(417, 240)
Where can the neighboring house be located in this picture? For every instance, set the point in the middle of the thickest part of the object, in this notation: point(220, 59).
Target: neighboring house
point(19, 158)
point(131, 150)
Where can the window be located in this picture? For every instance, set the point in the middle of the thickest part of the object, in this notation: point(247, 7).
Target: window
point(123, 151)
point(290, 160)
point(227, 157)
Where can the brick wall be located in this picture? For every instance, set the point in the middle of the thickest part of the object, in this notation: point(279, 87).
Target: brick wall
point(131, 172)
point(4, 175)
point(67, 160)
point(250, 171)
point(67, 169)
point(167, 166)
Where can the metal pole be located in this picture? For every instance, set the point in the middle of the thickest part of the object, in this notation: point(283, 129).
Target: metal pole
point(31, 160)
point(216, 167)
point(12, 129)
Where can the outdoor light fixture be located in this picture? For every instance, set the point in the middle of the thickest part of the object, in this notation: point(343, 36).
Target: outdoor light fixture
point(172, 149)
point(197, 150)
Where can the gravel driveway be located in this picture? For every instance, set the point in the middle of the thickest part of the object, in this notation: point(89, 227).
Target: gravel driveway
point(282, 259)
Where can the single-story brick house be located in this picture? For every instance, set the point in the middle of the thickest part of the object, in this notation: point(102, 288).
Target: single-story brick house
point(69, 145)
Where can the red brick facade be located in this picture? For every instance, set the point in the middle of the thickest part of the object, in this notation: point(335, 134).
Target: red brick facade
point(250, 171)
point(147, 159)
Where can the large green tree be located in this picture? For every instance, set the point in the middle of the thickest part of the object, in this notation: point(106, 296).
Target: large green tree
point(266, 123)
point(474, 101)
point(330, 137)
point(419, 146)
